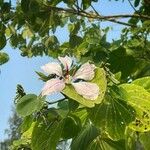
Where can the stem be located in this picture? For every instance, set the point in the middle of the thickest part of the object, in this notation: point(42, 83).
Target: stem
point(50, 103)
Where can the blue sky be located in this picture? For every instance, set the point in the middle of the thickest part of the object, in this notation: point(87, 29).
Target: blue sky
point(21, 70)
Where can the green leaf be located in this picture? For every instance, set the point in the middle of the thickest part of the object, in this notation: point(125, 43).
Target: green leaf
point(99, 79)
point(27, 121)
point(2, 41)
point(144, 139)
point(144, 82)
point(1, 2)
point(136, 3)
point(84, 138)
point(25, 5)
point(43, 77)
point(73, 105)
point(29, 6)
point(69, 2)
point(63, 108)
point(113, 115)
point(28, 104)
point(71, 127)
point(101, 143)
point(119, 60)
point(130, 139)
point(46, 137)
point(3, 58)
point(86, 3)
point(54, 2)
point(75, 41)
point(139, 99)
point(19, 144)
point(82, 114)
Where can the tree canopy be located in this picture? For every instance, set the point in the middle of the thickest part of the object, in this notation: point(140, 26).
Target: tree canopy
point(119, 117)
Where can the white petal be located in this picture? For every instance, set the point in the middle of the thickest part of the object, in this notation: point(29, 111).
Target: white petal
point(66, 61)
point(85, 72)
point(52, 86)
point(52, 68)
point(87, 90)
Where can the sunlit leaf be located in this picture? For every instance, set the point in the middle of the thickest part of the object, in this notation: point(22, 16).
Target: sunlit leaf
point(112, 116)
point(139, 99)
point(144, 82)
point(99, 79)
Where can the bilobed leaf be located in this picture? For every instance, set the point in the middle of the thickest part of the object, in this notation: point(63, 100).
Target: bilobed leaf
point(28, 104)
point(112, 116)
point(144, 82)
point(99, 79)
point(3, 58)
point(139, 99)
point(84, 138)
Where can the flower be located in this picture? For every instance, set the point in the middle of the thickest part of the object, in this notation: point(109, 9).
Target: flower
point(63, 76)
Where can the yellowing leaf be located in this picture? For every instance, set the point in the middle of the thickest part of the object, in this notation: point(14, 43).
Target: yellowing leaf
point(139, 99)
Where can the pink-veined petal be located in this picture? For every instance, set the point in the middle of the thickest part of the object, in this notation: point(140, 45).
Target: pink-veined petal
point(66, 61)
point(87, 90)
point(52, 86)
point(52, 68)
point(85, 72)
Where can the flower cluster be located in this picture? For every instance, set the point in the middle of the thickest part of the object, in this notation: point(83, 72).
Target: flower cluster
point(63, 76)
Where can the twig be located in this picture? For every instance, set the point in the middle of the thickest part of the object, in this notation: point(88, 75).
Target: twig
point(111, 18)
point(132, 6)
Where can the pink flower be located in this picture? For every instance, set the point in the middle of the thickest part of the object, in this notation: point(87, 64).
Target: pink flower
point(78, 80)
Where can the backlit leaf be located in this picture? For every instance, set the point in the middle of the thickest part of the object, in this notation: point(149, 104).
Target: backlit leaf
point(28, 104)
point(139, 99)
point(99, 79)
point(112, 116)
point(84, 138)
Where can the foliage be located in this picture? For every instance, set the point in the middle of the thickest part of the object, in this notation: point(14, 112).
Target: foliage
point(119, 118)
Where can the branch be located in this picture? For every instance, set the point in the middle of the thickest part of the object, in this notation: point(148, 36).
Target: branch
point(111, 18)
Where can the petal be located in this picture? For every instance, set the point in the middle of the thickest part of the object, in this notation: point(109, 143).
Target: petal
point(87, 90)
point(52, 86)
point(66, 61)
point(85, 72)
point(52, 68)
